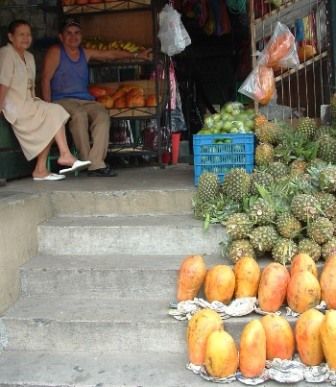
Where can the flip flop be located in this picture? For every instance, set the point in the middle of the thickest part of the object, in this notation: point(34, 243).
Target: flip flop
point(50, 177)
point(76, 166)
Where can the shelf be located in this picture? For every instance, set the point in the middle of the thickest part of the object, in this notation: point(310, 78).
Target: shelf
point(301, 66)
point(129, 150)
point(108, 6)
point(287, 14)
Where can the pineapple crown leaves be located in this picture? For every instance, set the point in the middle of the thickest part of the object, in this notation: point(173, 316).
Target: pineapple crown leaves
point(295, 145)
point(215, 211)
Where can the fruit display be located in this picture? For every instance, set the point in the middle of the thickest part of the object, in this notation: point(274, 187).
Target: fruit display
point(275, 286)
point(123, 96)
point(101, 44)
point(232, 118)
point(287, 205)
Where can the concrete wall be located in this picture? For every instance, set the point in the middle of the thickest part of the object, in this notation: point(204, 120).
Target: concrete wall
point(19, 216)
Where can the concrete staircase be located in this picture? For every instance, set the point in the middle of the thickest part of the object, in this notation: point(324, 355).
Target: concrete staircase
point(93, 310)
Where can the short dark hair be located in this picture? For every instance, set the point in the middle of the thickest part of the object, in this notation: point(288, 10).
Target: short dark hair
point(68, 22)
point(17, 23)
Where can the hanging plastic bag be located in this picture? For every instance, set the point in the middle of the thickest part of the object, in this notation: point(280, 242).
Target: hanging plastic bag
point(259, 85)
point(172, 33)
point(280, 50)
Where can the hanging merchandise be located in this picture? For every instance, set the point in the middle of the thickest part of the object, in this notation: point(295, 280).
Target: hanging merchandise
point(259, 85)
point(218, 22)
point(172, 33)
point(236, 7)
point(280, 51)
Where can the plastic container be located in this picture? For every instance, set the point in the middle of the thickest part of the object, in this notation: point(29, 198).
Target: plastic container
point(218, 153)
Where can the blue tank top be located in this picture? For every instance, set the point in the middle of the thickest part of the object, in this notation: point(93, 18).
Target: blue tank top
point(71, 78)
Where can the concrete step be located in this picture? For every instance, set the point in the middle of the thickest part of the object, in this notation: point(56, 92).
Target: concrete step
point(136, 235)
point(92, 324)
point(140, 369)
point(128, 369)
point(123, 202)
point(109, 276)
point(99, 324)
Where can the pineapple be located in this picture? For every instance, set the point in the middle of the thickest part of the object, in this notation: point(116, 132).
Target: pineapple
point(311, 248)
point(288, 226)
point(298, 167)
point(305, 207)
point(320, 230)
point(269, 133)
point(284, 250)
point(264, 154)
point(261, 212)
point(329, 248)
point(277, 169)
point(262, 179)
point(240, 248)
point(325, 130)
point(237, 183)
point(208, 186)
point(317, 163)
point(307, 126)
point(259, 120)
point(327, 203)
point(263, 238)
point(238, 226)
point(327, 179)
point(327, 148)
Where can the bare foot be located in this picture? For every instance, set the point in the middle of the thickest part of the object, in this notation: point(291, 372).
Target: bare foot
point(66, 161)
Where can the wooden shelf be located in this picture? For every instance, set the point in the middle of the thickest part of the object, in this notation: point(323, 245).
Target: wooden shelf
point(108, 6)
point(301, 66)
point(287, 14)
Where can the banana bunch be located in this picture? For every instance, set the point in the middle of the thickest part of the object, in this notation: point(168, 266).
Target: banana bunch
point(98, 44)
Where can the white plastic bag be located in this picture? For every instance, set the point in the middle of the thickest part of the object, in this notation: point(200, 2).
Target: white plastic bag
point(172, 34)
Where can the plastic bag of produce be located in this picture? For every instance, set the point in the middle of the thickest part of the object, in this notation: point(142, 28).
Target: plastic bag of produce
point(280, 50)
point(259, 85)
point(172, 33)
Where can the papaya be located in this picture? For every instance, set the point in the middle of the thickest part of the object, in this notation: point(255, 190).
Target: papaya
point(273, 287)
point(191, 277)
point(264, 87)
point(252, 349)
point(307, 337)
point(328, 338)
point(219, 284)
point(328, 284)
point(221, 355)
point(280, 341)
point(202, 323)
point(304, 292)
point(302, 262)
point(247, 273)
point(331, 260)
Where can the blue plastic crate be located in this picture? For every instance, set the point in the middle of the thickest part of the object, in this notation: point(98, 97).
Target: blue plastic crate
point(218, 153)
